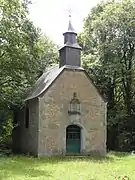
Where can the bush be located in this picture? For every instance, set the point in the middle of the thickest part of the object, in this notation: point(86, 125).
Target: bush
point(5, 133)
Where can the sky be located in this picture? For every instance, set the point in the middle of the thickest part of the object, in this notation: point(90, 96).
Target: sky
point(52, 16)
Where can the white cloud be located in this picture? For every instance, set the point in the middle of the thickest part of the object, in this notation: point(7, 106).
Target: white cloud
point(52, 15)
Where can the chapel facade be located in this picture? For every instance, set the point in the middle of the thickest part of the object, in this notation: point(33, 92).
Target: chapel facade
point(64, 113)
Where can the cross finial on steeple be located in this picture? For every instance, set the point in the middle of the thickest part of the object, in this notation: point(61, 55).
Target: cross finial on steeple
point(70, 11)
point(70, 27)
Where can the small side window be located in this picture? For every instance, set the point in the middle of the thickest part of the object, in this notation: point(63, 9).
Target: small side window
point(27, 118)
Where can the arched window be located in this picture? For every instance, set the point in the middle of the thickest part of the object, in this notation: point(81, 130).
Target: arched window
point(74, 105)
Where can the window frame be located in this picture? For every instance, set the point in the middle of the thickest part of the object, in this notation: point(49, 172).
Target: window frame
point(27, 117)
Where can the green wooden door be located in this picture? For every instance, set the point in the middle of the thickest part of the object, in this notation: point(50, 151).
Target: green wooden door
point(73, 139)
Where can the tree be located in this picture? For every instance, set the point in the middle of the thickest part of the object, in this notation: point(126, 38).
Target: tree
point(109, 46)
point(24, 53)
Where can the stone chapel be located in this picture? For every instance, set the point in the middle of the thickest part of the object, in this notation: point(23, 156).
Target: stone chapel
point(64, 113)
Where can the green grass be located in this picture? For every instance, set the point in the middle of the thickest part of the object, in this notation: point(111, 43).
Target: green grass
point(112, 167)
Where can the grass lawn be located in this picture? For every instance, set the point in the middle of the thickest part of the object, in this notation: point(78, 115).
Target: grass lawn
point(114, 166)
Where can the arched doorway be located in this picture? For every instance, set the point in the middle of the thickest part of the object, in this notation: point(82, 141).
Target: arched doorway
point(73, 139)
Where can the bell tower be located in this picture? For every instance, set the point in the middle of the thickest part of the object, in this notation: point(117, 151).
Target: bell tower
point(70, 53)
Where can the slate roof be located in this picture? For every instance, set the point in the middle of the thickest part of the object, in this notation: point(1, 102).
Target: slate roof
point(68, 44)
point(47, 79)
point(70, 27)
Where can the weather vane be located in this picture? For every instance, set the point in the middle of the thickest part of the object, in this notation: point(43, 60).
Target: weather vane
point(70, 12)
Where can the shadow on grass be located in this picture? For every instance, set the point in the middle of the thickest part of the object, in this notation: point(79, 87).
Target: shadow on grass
point(120, 154)
point(110, 157)
point(64, 159)
point(21, 166)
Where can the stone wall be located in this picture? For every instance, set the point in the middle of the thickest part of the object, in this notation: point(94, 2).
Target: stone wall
point(54, 117)
point(29, 136)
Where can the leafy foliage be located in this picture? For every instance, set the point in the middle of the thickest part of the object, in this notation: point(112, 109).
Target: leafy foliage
point(108, 40)
point(24, 53)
